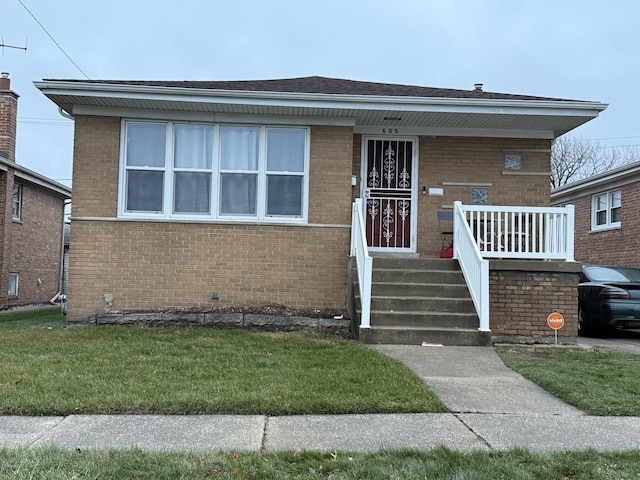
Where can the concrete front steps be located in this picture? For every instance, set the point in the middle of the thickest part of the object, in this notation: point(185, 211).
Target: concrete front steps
point(415, 300)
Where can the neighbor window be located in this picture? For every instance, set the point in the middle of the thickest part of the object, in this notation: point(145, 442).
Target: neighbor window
point(13, 284)
point(17, 201)
point(606, 210)
point(214, 171)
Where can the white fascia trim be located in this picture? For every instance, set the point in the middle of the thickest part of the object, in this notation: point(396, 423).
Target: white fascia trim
point(48, 184)
point(457, 132)
point(35, 178)
point(213, 117)
point(326, 101)
point(600, 183)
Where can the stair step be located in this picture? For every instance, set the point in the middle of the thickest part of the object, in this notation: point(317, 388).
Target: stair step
point(422, 304)
point(419, 289)
point(425, 319)
point(415, 263)
point(417, 276)
point(416, 336)
point(415, 300)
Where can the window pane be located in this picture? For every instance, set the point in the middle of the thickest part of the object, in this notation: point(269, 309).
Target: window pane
point(238, 194)
point(616, 199)
point(144, 191)
point(284, 195)
point(146, 144)
point(17, 198)
point(601, 202)
point(285, 150)
point(191, 193)
point(616, 215)
point(601, 218)
point(13, 285)
point(193, 146)
point(239, 148)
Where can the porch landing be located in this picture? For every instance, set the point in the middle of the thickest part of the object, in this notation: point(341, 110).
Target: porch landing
point(417, 300)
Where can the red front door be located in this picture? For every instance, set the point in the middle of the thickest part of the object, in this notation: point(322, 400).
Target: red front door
point(389, 194)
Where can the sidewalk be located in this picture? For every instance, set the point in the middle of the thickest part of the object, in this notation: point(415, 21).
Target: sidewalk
point(492, 408)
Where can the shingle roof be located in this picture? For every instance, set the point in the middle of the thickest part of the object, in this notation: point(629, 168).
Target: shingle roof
point(322, 85)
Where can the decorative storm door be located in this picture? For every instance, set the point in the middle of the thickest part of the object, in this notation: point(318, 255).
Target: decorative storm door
point(389, 194)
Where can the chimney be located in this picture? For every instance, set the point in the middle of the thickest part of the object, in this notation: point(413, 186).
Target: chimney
point(5, 81)
point(477, 87)
point(8, 118)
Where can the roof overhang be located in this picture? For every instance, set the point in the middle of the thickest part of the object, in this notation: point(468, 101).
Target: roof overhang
point(415, 115)
point(597, 183)
point(35, 178)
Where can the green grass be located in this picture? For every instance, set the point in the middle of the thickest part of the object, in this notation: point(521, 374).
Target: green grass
point(440, 463)
point(597, 382)
point(197, 371)
point(44, 318)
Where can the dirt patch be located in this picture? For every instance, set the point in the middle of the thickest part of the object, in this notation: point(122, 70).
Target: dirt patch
point(274, 310)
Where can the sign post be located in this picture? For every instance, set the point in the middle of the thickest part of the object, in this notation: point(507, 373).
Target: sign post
point(555, 320)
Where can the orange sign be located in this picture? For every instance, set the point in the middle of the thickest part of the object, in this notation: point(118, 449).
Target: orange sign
point(555, 320)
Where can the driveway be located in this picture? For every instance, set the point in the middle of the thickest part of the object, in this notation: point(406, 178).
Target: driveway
point(627, 341)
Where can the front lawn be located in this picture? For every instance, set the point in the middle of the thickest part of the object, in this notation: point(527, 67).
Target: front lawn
point(439, 463)
point(596, 382)
point(196, 371)
point(44, 318)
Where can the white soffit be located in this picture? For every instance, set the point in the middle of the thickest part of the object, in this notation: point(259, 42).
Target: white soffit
point(555, 116)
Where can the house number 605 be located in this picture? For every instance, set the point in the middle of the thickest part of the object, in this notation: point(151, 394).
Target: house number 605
point(390, 130)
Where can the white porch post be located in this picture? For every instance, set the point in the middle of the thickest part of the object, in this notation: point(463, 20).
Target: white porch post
point(571, 229)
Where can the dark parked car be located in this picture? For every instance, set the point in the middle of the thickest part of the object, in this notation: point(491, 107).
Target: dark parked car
point(608, 297)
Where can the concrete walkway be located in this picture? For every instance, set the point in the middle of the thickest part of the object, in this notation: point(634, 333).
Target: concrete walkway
point(475, 380)
point(492, 408)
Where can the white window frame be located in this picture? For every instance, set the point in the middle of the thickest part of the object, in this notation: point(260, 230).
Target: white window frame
point(16, 206)
point(214, 215)
point(609, 196)
point(13, 294)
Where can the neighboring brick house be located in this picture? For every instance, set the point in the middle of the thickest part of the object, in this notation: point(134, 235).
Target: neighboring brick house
point(203, 194)
point(607, 224)
point(31, 220)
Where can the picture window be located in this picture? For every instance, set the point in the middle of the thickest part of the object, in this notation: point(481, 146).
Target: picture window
point(236, 172)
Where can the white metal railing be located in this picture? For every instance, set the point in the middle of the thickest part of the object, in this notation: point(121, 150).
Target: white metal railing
point(474, 268)
point(542, 233)
point(364, 261)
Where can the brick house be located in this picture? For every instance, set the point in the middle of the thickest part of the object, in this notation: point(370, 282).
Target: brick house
point(31, 219)
point(607, 224)
point(195, 195)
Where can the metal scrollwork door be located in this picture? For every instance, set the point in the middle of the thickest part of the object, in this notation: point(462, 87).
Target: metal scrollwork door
point(389, 191)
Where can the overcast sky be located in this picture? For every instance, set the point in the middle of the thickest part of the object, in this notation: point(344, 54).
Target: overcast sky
point(573, 49)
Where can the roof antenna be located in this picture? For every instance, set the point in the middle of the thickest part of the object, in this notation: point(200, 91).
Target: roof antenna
point(4, 45)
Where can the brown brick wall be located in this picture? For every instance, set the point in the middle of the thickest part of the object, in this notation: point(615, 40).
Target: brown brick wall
point(35, 245)
point(6, 192)
point(476, 160)
point(520, 302)
point(152, 265)
point(330, 175)
point(470, 160)
point(149, 265)
point(8, 116)
point(169, 265)
point(95, 166)
point(609, 247)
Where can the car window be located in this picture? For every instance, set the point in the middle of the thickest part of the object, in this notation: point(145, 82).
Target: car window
point(613, 274)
